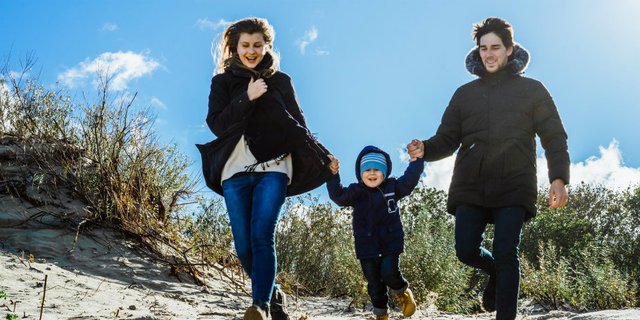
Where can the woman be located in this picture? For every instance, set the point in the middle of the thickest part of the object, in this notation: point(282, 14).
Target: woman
point(263, 153)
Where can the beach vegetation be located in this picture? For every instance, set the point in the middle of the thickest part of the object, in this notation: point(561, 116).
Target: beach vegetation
point(105, 150)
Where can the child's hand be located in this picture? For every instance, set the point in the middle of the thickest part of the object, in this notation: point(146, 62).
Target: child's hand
point(415, 149)
point(334, 166)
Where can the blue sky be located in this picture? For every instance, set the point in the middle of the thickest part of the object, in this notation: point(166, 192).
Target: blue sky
point(366, 71)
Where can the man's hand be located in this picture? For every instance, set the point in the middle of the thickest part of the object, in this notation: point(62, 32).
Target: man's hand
point(415, 149)
point(334, 166)
point(558, 196)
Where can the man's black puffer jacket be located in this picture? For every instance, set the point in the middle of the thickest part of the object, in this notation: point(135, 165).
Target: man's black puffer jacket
point(494, 120)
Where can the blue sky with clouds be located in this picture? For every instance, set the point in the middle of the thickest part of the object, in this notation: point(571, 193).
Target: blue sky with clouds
point(366, 71)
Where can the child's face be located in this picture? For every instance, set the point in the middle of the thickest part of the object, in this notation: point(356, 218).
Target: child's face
point(372, 178)
point(251, 49)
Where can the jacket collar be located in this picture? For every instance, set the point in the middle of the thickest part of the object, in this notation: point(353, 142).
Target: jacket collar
point(264, 69)
point(517, 63)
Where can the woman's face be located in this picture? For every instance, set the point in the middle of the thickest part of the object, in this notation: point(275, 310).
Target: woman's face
point(251, 49)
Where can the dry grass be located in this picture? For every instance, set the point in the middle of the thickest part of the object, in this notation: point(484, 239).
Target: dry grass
point(107, 153)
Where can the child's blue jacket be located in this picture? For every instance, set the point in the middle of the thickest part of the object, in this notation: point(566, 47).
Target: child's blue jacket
point(377, 228)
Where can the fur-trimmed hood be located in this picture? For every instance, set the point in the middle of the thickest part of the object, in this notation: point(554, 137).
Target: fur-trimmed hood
point(517, 63)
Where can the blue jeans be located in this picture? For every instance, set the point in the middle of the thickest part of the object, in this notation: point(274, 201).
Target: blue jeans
point(504, 262)
point(381, 273)
point(253, 202)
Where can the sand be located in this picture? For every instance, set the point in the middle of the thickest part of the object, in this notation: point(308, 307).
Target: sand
point(102, 275)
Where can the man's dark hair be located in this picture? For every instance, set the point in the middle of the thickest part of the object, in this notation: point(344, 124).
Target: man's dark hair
point(502, 28)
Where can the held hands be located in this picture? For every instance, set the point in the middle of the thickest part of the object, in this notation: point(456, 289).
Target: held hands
point(415, 149)
point(334, 166)
point(558, 196)
point(256, 89)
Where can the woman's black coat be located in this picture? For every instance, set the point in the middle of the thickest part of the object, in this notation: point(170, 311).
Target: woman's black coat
point(272, 124)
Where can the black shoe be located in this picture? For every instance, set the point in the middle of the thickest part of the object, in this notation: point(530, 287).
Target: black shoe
point(489, 295)
point(278, 305)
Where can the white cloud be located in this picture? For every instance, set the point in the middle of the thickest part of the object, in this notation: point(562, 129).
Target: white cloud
point(109, 27)
point(607, 169)
point(438, 174)
point(121, 67)
point(310, 36)
point(206, 24)
point(321, 52)
point(158, 103)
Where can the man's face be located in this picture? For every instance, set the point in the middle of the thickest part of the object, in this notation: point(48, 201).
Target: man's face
point(493, 53)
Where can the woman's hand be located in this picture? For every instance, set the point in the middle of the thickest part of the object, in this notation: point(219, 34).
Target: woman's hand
point(334, 166)
point(256, 89)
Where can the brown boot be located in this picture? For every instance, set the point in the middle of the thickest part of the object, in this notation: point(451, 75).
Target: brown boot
point(406, 302)
point(255, 313)
point(382, 316)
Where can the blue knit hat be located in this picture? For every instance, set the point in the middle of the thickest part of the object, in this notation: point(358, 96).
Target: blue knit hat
point(374, 160)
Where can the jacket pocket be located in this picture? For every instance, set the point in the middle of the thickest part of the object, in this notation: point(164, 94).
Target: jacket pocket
point(366, 243)
point(519, 161)
point(468, 162)
point(394, 232)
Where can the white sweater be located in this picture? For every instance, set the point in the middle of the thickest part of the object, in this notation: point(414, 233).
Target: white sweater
point(242, 160)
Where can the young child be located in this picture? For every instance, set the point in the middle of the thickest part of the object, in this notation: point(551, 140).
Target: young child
point(377, 229)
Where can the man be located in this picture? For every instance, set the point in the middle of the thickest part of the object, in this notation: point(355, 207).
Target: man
point(495, 119)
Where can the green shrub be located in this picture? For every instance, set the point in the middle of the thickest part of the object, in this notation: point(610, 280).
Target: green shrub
point(315, 249)
point(597, 234)
point(316, 254)
point(587, 280)
point(548, 283)
point(208, 232)
point(566, 228)
point(598, 284)
point(430, 263)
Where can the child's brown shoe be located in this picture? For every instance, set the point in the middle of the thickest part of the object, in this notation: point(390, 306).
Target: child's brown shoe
point(406, 302)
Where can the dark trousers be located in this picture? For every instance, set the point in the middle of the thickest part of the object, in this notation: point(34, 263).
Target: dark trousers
point(381, 273)
point(503, 262)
